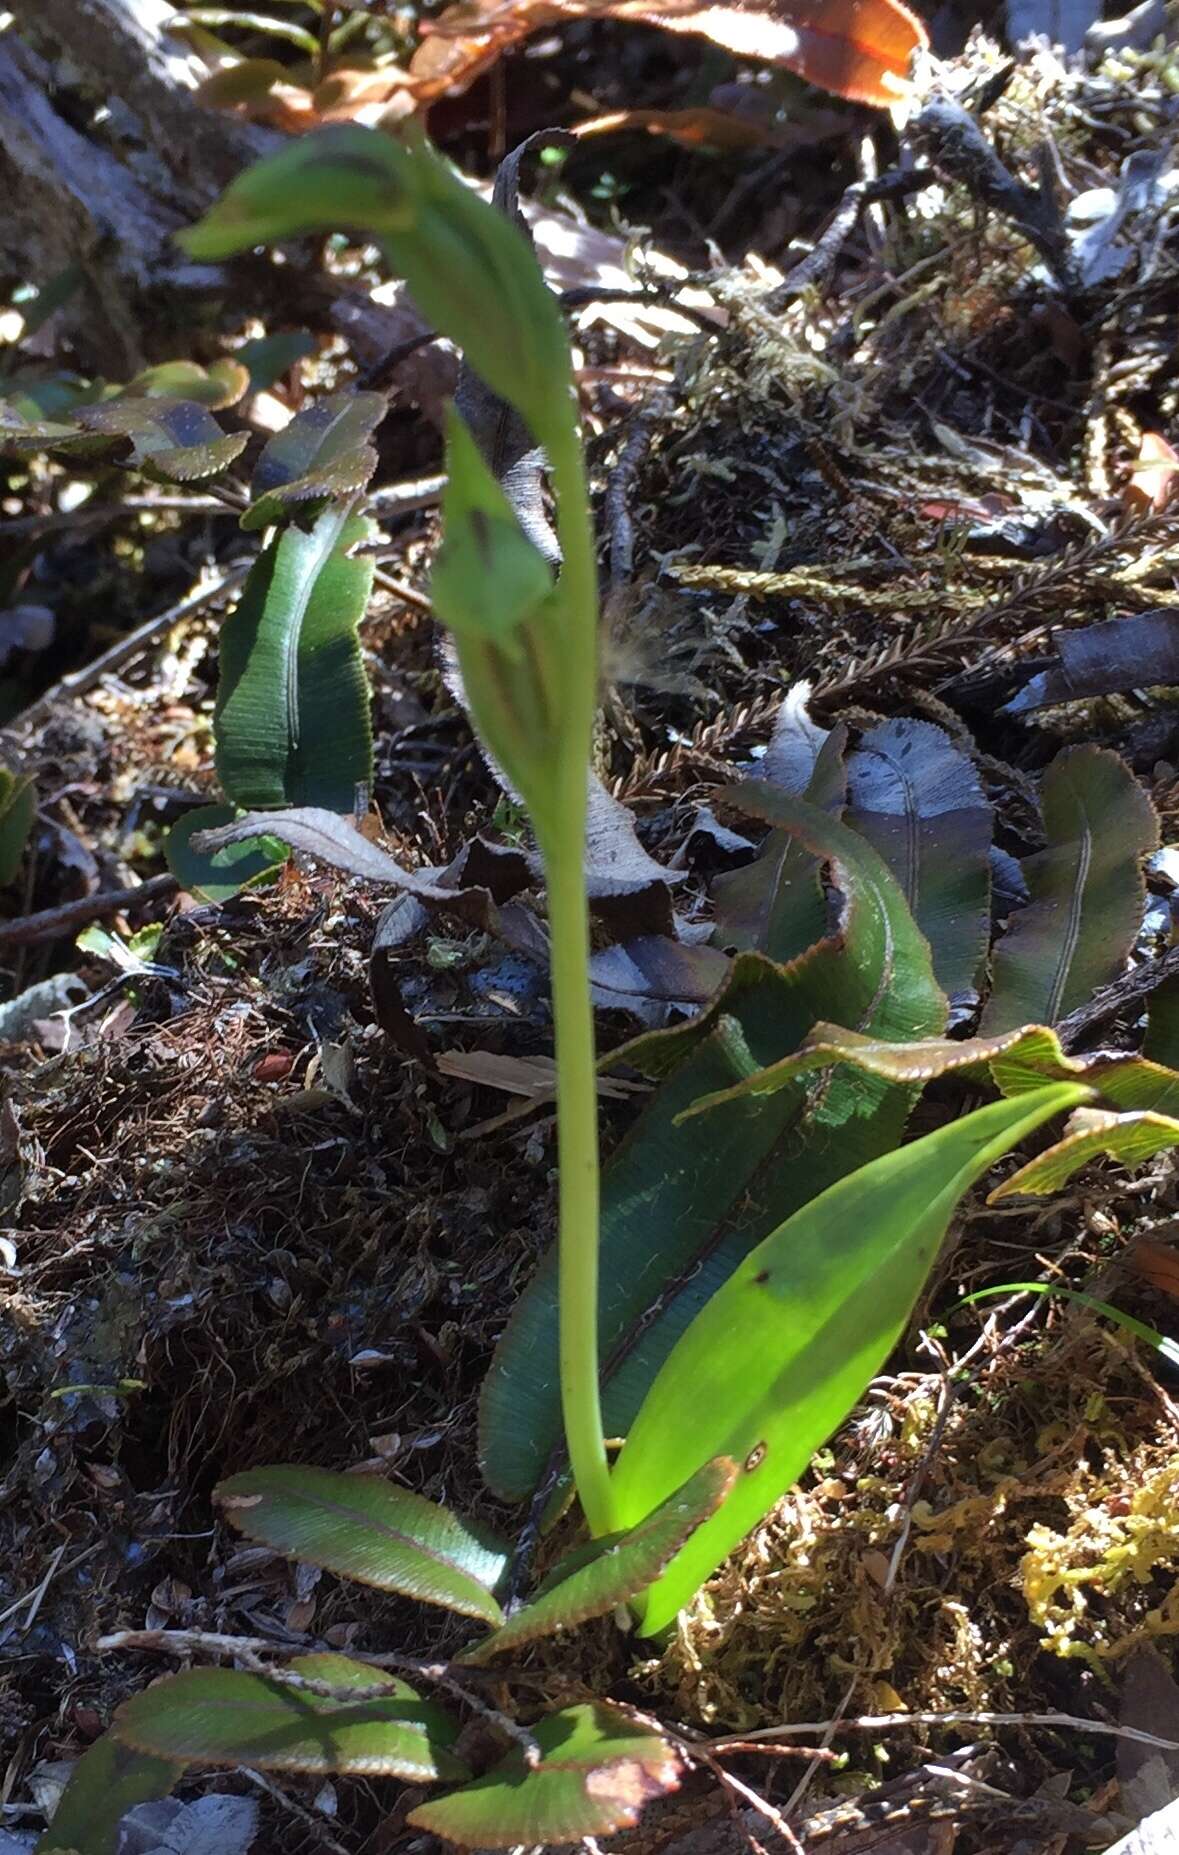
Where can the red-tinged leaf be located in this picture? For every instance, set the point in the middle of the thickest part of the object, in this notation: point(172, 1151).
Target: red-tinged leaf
point(1153, 475)
point(361, 1527)
point(1156, 1263)
point(220, 1716)
point(598, 1770)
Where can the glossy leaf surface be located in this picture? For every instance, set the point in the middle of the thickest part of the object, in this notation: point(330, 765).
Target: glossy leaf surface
point(776, 1360)
point(1087, 892)
point(326, 450)
point(220, 1716)
point(361, 1527)
point(108, 1780)
point(598, 1770)
point(292, 717)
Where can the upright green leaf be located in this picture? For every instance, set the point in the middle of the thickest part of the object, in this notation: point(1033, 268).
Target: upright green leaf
point(488, 578)
point(1087, 892)
point(1161, 1043)
point(18, 809)
point(325, 451)
point(219, 1716)
point(292, 719)
point(776, 1360)
point(172, 440)
point(361, 1527)
point(597, 1771)
point(917, 798)
point(613, 1570)
point(679, 1212)
point(108, 1780)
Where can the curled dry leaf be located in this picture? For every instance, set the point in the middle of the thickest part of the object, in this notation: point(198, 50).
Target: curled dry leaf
point(1152, 475)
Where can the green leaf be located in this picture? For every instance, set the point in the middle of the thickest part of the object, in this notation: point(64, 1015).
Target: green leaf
point(679, 1212)
point(1161, 1043)
point(172, 440)
point(615, 1569)
point(1169, 1348)
point(598, 1770)
point(292, 720)
point(775, 1361)
point(1087, 892)
point(23, 435)
point(108, 1780)
point(917, 799)
point(1131, 1139)
point(324, 451)
point(269, 357)
point(18, 810)
point(361, 1527)
point(222, 383)
point(256, 23)
point(219, 1716)
point(488, 578)
point(227, 872)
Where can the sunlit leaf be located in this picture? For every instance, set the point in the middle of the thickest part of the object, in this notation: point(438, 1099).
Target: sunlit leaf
point(361, 1527)
point(326, 450)
point(222, 383)
point(268, 25)
point(171, 440)
point(779, 1356)
point(292, 718)
point(219, 877)
point(1131, 1139)
point(680, 1211)
point(1087, 892)
point(598, 1770)
point(108, 1780)
point(220, 1716)
point(613, 1570)
point(1169, 1348)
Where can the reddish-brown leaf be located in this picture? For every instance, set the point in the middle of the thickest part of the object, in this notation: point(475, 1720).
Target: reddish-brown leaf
point(694, 128)
point(1158, 1264)
point(1153, 475)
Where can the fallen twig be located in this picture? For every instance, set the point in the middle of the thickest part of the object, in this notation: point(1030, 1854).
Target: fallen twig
point(51, 923)
point(881, 1722)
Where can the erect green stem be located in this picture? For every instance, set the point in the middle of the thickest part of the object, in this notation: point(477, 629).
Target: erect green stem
point(577, 1095)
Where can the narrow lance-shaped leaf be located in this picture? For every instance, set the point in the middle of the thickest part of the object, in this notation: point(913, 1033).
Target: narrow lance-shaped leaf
point(1117, 654)
point(292, 719)
point(776, 1360)
point(220, 1716)
point(108, 1780)
point(1161, 1342)
point(1091, 1133)
point(1161, 1042)
point(598, 1769)
point(680, 1212)
point(917, 798)
point(18, 809)
point(613, 1570)
point(1087, 892)
point(361, 1527)
point(326, 450)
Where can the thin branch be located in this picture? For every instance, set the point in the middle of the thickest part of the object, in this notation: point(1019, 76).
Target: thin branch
point(883, 1722)
point(52, 923)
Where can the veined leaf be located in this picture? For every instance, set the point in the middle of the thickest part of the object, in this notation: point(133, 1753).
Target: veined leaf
point(218, 877)
point(108, 1780)
point(917, 799)
point(172, 440)
point(1131, 1139)
point(598, 1769)
point(775, 1361)
point(219, 1716)
point(292, 718)
point(680, 1212)
point(326, 450)
point(1087, 892)
point(613, 1570)
point(361, 1527)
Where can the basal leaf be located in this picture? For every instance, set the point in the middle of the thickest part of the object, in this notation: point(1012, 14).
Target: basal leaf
point(1131, 1139)
point(171, 440)
point(598, 1770)
point(217, 877)
point(18, 809)
point(1087, 892)
point(292, 718)
point(917, 799)
point(617, 1570)
point(775, 1361)
point(326, 450)
point(361, 1527)
point(219, 1716)
point(679, 1212)
point(108, 1780)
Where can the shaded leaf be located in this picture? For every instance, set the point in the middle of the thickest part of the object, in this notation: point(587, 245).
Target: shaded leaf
point(778, 1357)
point(488, 578)
point(1087, 891)
point(361, 1527)
point(171, 440)
point(292, 718)
point(18, 810)
point(222, 383)
point(218, 877)
point(1148, 1776)
point(23, 434)
point(615, 1570)
point(680, 1212)
point(598, 1770)
point(326, 450)
point(107, 1781)
point(1117, 654)
point(917, 798)
point(1131, 1139)
point(269, 357)
point(1161, 1042)
point(220, 1716)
